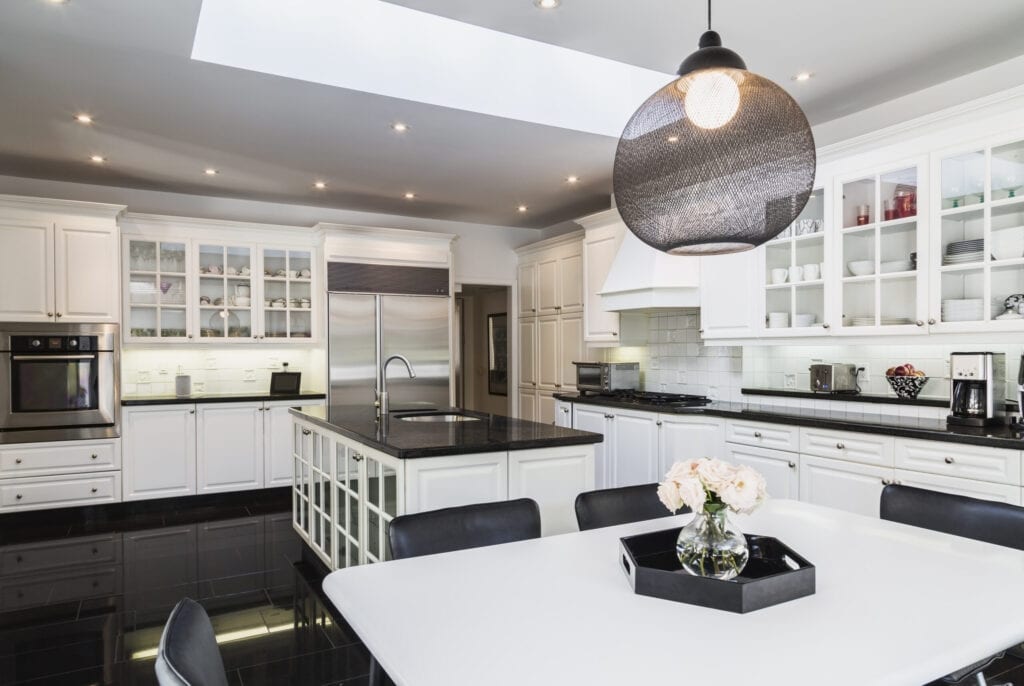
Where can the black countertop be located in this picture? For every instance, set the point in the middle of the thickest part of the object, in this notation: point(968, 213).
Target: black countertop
point(405, 440)
point(1010, 406)
point(137, 400)
point(1006, 436)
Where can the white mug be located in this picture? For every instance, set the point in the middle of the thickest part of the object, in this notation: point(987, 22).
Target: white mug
point(812, 272)
point(779, 275)
point(796, 274)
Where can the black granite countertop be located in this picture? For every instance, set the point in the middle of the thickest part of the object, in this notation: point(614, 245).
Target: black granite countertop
point(136, 400)
point(858, 398)
point(1006, 436)
point(405, 440)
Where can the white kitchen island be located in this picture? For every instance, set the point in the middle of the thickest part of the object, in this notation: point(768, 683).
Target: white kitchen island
point(353, 474)
point(895, 606)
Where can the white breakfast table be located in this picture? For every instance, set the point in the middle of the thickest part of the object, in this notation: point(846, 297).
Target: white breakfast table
point(894, 605)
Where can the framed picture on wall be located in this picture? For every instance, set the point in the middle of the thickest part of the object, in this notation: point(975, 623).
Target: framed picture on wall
point(497, 354)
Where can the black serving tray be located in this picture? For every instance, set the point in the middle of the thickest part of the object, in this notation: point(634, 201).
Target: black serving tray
point(650, 562)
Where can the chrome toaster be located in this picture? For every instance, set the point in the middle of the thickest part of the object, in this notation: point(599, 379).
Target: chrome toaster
point(834, 378)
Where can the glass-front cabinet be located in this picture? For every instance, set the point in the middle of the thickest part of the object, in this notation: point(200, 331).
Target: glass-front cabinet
point(795, 302)
point(880, 242)
point(225, 292)
point(156, 289)
point(287, 293)
point(979, 249)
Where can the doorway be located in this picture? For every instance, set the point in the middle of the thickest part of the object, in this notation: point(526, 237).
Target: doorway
point(482, 364)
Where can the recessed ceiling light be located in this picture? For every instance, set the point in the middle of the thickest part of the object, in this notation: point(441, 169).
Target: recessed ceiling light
point(210, 171)
point(83, 118)
point(803, 76)
point(572, 179)
point(320, 185)
point(98, 159)
point(547, 4)
point(522, 208)
point(58, 2)
point(673, 139)
point(410, 196)
point(400, 127)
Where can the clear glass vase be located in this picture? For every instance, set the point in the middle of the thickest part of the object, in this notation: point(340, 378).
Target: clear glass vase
point(710, 545)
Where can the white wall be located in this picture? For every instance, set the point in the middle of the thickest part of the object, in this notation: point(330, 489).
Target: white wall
point(483, 253)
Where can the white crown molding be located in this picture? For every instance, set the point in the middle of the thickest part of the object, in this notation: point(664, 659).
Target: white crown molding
point(330, 230)
point(168, 221)
point(600, 219)
point(35, 204)
point(552, 242)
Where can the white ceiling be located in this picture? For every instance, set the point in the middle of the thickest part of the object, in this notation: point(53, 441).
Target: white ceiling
point(162, 117)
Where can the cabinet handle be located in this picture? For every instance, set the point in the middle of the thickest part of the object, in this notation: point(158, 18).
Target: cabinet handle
point(886, 482)
point(18, 497)
point(658, 423)
point(357, 457)
point(840, 446)
point(190, 335)
point(558, 385)
point(700, 331)
point(59, 315)
point(558, 307)
point(191, 411)
point(533, 309)
point(49, 314)
point(757, 434)
point(920, 323)
point(615, 333)
point(17, 460)
point(306, 432)
point(792, 465)
point(94, 489)
point(826, 325)
point(533, 383)
point(949, 460)
point(931, 321)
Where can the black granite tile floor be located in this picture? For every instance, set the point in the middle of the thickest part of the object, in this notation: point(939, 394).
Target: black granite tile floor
point(84, 594)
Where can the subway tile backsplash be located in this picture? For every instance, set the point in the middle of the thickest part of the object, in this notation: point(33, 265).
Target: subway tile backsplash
point(151, 371)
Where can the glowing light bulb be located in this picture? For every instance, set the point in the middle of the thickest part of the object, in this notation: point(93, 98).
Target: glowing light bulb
point(712, 98)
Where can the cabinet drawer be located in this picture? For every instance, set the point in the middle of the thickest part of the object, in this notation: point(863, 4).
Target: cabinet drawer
point(59, 458)
point(31, 591)
point(775, 436)
point(38, 557)
point(949, 484)
point(26, 494)
point(842, 445)
point(965, 461)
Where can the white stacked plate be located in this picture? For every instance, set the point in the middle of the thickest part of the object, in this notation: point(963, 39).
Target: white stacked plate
point(778, 320)
point(862, 321)
point(973, 245)
point(968, 310)
point(964, 258)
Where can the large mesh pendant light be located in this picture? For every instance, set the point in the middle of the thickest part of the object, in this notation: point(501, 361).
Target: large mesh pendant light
point(718, 161)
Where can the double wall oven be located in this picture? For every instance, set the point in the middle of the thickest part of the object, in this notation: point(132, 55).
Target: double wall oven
point(59, 382)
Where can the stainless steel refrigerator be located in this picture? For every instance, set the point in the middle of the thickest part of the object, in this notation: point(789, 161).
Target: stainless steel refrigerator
point(408, 313)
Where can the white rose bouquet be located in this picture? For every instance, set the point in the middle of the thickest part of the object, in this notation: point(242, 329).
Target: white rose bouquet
point(709, 486)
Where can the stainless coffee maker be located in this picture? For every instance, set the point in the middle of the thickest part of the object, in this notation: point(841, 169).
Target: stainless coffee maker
point(977, 389)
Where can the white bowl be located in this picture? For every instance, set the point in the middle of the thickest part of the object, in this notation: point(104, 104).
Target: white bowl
point(895, 266)
point(242, 300)
point(803, 319)
point(861, 267)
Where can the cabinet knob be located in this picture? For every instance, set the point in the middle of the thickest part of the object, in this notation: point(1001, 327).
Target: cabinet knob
point(533, 309)
point(931, 321)
point(658, 423)
point(949, 460)
point(826, 325)
point(95, 551)
point(306, 432)
point(792, 465)
point(558, 307)
point(919, 322)
point(886, 482)
point(558, 385)
point(18, 497)
point(840, 446)
point(49, 314)
point(59, 315)
point(17, 460)
point(94, 489)
point(700, 331)
point(757, 434)
point(190, 335)
point(533, 383)
point(191, 411)
point(357, 457)
point(93, 456)
point(615, 333)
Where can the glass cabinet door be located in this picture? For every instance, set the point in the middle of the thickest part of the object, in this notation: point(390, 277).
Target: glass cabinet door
point(881, 287)
point(981, 243)
point(225, 291)
point(381, 508)
point(287, 293)
point(794, 291)
point(157, 290)
point(347, 511)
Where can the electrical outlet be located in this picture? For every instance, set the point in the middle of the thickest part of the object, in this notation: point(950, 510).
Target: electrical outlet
point(791, 381)
point(163, 372)
point(143, 376)
point(662, 387)
point(250, 374)
point(865, 374)
point(211, 362)
point(680, 376)
point(273, 363)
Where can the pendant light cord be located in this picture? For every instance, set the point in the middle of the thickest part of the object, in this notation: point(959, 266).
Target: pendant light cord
point(709, 15)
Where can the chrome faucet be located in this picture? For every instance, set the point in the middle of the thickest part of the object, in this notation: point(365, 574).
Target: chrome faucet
point(382, 384)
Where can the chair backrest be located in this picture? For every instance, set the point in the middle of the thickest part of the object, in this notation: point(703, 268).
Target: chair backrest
point(188, 653)
point(611, 506)
point(458, 528)
point(982, 520)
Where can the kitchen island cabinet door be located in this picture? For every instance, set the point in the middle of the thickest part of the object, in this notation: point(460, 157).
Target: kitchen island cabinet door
point(553, 477)
point(159, 451)
point(435, 482)
point(278, 439)
point(779, 468)
point(843, 485)
point(229, 456)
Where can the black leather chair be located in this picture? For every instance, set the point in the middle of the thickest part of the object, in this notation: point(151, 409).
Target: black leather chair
point(458, 528)
point(188, 653)
point(959, 515)
point(611, 506)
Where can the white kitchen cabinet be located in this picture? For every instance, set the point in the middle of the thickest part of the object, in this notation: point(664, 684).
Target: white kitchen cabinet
point(559, 280)
point(843, 485)
point(553, 477)
point(456, 480)
point(548, 367)
point(59, 457)
point(278, 440)
point(50, 255)
point(570, 281)
point(600, 244)
point(763, 434)
point(64, 490)
point(682, 437)
point(727, 284)
point(634, 448)
point(159, 445)
point(984, 490)
point(528, 376)
point(527, 283)
point(570, 349)
point(548, 285)
point(563, 414)
point(528, 404)
point(546, 408)
point(597, 420)
point(229, 451)
point(866, 448)
point(780, 469)
point(973, 462)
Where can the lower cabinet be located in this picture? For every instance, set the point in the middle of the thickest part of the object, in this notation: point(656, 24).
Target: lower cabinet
point(682, 437)
point(553, 477)
point(38, 476)
point(528, 404)
point(229, 452)
point(779, 468)
point(159, 451)
point(597, 420)
point(546, 404)
point(632, 451)
point(843, 485)
point(563, 414)
point(948, 484)
point(436, 482)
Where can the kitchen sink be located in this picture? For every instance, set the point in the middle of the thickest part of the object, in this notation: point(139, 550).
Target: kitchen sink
point(437, 417)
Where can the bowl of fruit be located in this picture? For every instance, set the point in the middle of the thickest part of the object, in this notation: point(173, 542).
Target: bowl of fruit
point(906, 381)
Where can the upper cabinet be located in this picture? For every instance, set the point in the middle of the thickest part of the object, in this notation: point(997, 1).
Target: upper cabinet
point(58, 261)
point(550, 282)
point(604, 233)
point(181, 287)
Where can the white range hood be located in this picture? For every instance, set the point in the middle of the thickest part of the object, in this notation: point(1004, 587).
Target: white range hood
point(642, 278)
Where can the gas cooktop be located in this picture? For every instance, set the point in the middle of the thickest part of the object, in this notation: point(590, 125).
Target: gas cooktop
point(659, 399)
